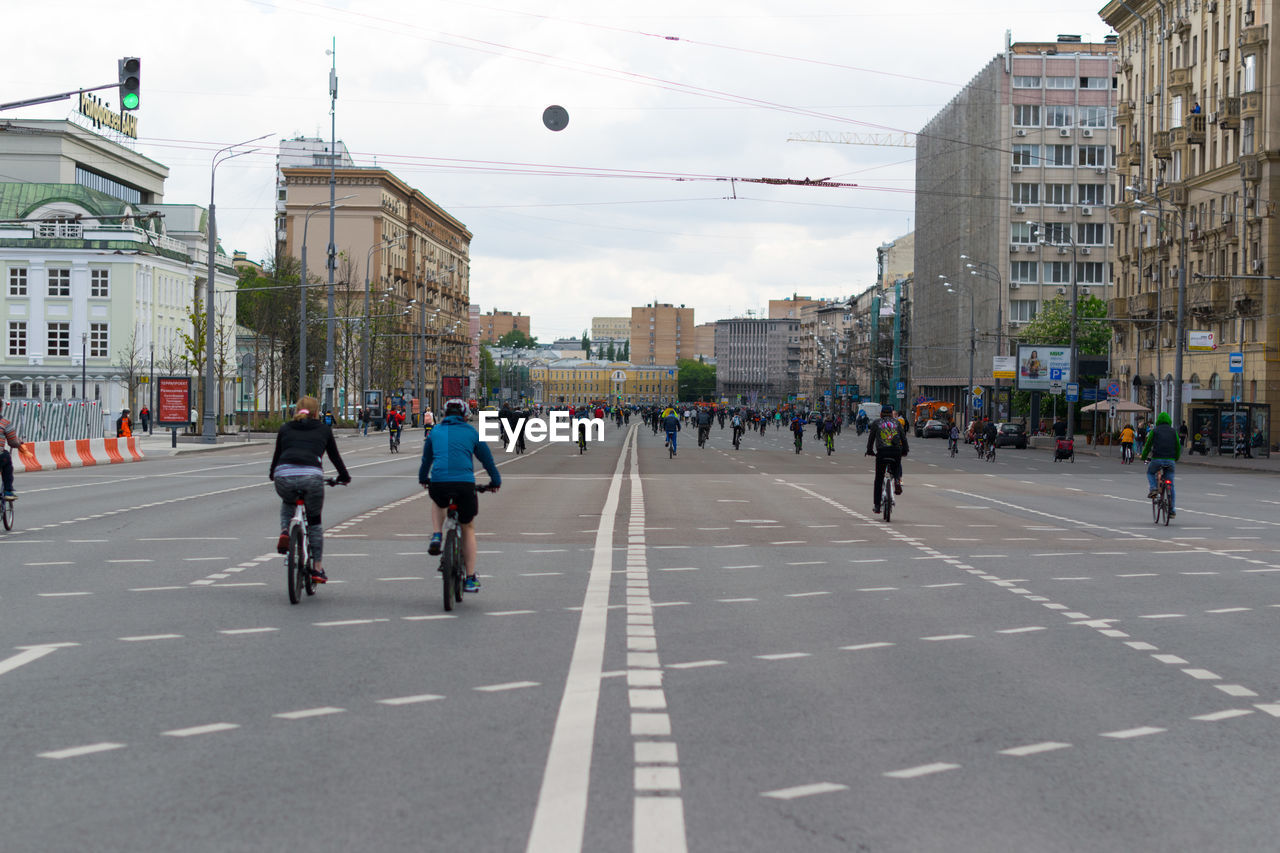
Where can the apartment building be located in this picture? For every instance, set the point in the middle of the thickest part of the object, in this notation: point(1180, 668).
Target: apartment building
point(610, 328)
point(1199, 144)
point(704, 342)
point(757, 360)
point(1013, 181)
point(661, 333)
point(578, 382)
point(497, 323)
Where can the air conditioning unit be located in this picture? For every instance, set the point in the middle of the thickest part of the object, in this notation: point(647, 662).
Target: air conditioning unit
point(1224, 54)
point(1211, 6)
point(1031, 249)
point(1020, 132)
point(1019, 209)
point(1257, 264)
point(1014, 285)
point(1062, 291)
point(1087, 133)
point(1248, 18)
point(1013, 248)
point(1062, 208)
point(1166, 342)
point(1062, 250)
point(1101, 170)
point(1086, 211)
point(1062, 131)
point(1148, 344)
point(1017, 169)
point(1086, 251)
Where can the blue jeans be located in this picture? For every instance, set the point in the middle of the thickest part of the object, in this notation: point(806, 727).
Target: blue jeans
point(1153, 467)
point(671, 439)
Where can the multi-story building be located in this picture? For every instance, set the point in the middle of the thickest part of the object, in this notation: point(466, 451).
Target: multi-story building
point(661, 333)
point(101, 279)
point(414, 258)
point(704, 341)
point(497, 323)
point(1199, 140)
point(757, 360)
point(793, 307)
point(578, 382)
point(1013, 175)
point(610, 328)
point(896, 260)
point(302, 151)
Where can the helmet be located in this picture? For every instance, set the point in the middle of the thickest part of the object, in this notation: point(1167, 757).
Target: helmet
point(886, 409)
point(455, 407)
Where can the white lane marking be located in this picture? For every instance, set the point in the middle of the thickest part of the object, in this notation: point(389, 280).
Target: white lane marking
point(941, 585)
point(25, 657)
point(410, 700)
point(861, 646)
point(922, 770)
point(234, 631)
point(809, 563)
point(1235, 690)
point(695, 664)
point(1229, 610)
point(876, 589)
point(735, 600)
point(509, 612)
point(309, 712)
point(430, 618)
point(559, 819)
point(539, 574)
point(1020, 630)
point(1223, 715)
point(1034, 748)
point(643, 723)
point(1202, 674)
point(877, 560)
point(784, 656)
point(1174, 659)
point(805, 594)
point(805, 791)
point(130, 561)
point(949, 637)
point(74, 751)
point(53, 563)
point(1141, 731)
point(146, 637)
point(341, 622)
point(656, 779)
point(202, 730)
point(60, 594)
point(655, 752)
point(1163, 616)
point(788, 542)
point(407, 578)
point(1140, 646)
point(752, 566)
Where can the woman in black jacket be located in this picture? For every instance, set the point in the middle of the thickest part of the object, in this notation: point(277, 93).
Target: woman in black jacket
point(297, 468)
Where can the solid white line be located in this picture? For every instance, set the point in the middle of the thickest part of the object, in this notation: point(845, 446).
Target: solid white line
point(922, 770)
point(202, 730)
point(1034, 748)
point(805, 791)
point(559, 819)
point(308, 712)
point(81, 750)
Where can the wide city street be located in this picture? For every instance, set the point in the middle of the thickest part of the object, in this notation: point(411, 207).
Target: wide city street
point(724, 651)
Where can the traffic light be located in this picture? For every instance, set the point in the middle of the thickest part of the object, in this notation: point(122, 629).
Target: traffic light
point(130, 82)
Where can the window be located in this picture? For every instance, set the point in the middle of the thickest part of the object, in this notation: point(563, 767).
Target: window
point(1095, 82)
point(17, 340)
point(59, 281)
point(1059, 116)
point(1024, 82)
point(17, 389)
point(1021, 232)
point(1026, 115)
point(100, 283)
point(1057, 193)
point(1057, 155)
point(1057, 272)
point(1057, 233)
point(1246, 136)
point(1091, 234)
point(1095, 116)
point(1250, 82)
point(1024, 272)
point(59, 339)
point(97, 340)
point(1092, 194)
point(1089, 273)
point(1022, 310)
point(1092, 155)
point(1026, 155)
point(17, 281)
point(1026, 193)
point(1175, 111)
point(1059, 82)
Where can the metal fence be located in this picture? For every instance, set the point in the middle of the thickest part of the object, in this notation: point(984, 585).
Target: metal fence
point(61, 420)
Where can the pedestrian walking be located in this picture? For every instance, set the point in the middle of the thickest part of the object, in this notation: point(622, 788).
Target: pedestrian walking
point(144, 417)
point(124, 425)
point(195, 416)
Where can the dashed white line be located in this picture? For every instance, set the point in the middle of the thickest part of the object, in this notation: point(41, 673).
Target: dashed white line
point(1034, 748)
point(805, 791)
point(74, 751)
point(922, 770)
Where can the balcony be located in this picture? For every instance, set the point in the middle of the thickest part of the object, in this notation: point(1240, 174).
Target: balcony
point(1142, 305)
point(1118, 308)
point(1120, 215)
point(1180, 81)
point(1160, 145)
point(1246, 294)
point(1229, 113)
point(1208, 298)
point(1253, 36)
point(1194, 128)
point(1251, 105)
point(1178, 194)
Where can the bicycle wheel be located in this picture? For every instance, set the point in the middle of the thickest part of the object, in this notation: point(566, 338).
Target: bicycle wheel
point(447, 570)
point(459, 570)
point(886, 499)
point(294, 568)
point(309, 581)
point(7, 514)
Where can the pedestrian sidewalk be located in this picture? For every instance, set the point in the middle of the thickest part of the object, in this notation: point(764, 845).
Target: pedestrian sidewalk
point(161, 442)
point(1260, 464)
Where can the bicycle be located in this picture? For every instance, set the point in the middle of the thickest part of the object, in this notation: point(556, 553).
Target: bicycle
point(452, 570)
point(394, 439)
point(737, 438)
point(702, 436)
point(1160, 503)
point(799, 441)
point(582, 442)
point(671, 445)
point(831, 444)
point(980, 446)
point(1126, 454)
point(954, 446)
point(7, 512)
point(297, 560)
point(887, 490)
point(991, 452)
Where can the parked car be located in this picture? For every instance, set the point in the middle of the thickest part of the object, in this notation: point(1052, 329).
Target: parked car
point(1011, 435)
point(935, 429)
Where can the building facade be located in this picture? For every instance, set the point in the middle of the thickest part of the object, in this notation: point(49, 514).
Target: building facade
point(497, 323)
point(1199, 141)
point(661, 333)
point(1012, 189)
point(757, 361)
point(610, 328)
point(576, 382)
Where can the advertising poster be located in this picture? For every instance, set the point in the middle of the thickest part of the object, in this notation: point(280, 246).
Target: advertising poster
point(173, 401)
point(1040, 365)
point(1004, 367)
point(1200, 341)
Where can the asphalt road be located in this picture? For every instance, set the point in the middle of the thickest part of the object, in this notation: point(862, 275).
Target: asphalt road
point(721, 651)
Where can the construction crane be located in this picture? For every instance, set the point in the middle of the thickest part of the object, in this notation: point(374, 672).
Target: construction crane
point(898, 140)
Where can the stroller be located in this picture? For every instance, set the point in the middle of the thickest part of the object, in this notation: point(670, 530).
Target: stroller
point(1066, 449)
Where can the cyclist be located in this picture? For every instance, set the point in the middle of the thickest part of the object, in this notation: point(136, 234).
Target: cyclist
point(736, 423)
point(448, 475)
point(953, 439)
point(513, 418)
point(829, 428)
point(797, 428)
point(297, 468)
point(1163, 448)
point(671, 425)
point(704, 425)
point(428, 421)
point(1126, 443)
point(8, 438)
point(989, 433)
point(395, 424)
point(888, 444)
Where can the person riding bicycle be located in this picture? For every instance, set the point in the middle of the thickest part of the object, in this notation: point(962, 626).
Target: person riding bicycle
point(1163, 448)
point(989, 433)
point(953, 438)
point(8, 438)
point(797, 428)
point(736, 423)
point(395, 425)
point(671, 425)
point(704, 425)
point(1126, 442)
point(297, 468)
point(888, 444)
point(829, 426)
point(448, 475)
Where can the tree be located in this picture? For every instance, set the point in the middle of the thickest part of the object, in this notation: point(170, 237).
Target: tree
point(489, 378)
point(626, 351)
point(586, 343)
point(1052, 326)
point(517, 339)
point(131, 364)
point(697, 380)
point(610, 353)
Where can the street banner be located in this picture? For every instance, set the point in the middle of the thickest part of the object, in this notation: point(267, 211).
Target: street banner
point(1004, 367)
point(1200, 341)
point(173, 401)
point(1038, 365)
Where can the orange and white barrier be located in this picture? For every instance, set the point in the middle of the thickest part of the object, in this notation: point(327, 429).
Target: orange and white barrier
point(52, 455)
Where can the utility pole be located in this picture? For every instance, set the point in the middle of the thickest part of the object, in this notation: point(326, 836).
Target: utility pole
point(332, 261)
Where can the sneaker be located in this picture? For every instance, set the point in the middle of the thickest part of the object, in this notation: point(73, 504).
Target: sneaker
point(471, 584)
point(319, 576)
point(434, 548)
point(10, 496)
point(282, 544)
point(1172, 514)
point(1151, 495)
point(897, 488)
point(875, 511)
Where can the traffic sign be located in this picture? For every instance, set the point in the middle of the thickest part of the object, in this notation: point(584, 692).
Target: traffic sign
point(902, 386)
point(1055, 374)
point(1235, 362)
point(977, 390)
point(1073, 392)
point(977, 402)
point(1090, 393)
point(1113, 388)
point(1055, 386)
point(901, 393)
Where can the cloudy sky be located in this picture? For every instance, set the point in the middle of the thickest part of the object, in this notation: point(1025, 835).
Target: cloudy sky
point(668, 99)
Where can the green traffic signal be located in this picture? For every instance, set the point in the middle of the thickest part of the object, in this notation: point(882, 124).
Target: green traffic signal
point(130, 82)
point(131, 101)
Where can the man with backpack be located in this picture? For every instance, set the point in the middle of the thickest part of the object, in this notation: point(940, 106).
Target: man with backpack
point(888, 444)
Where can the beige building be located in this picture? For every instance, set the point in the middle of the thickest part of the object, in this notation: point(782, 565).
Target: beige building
point(497, 323)
point(896, 260)
point(661, 333)
point(1199, 142)
point(416, 258)
point(576, 382)
point(793, 307)
point(704, 341)
point(610, 328)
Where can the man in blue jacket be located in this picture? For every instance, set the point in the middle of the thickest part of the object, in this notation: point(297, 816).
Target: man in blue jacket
point(448, 475)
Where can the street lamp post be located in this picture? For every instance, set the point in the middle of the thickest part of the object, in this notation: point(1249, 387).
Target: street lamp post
point(151, 393)
point(364, 373)
point(973, 345)
point(1182, 302)
point(991, 272)
point(302, 295)
point(210, 433)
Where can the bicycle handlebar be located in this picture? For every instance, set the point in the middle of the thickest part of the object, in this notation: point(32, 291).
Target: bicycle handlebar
point(334, 481)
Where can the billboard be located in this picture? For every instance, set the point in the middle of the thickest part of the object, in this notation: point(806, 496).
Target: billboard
point(1040, 365)
point(1200, 341)
point(1004, 367)
point(173, 401)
